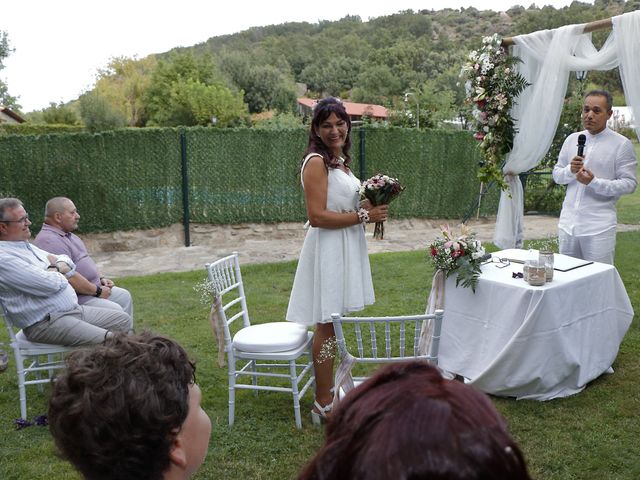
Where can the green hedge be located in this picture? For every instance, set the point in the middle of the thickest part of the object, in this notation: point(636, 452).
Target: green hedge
point(541, 194)
point(437, 167)
point(37, 129)
point(132, 178)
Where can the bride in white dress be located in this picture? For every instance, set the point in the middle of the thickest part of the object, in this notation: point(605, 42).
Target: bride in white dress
point(333, 274)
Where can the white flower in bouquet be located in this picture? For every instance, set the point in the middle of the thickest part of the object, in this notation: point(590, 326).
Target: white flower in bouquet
point(380, 190)
point(461, 254)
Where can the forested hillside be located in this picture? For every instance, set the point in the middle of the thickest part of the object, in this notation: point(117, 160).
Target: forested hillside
point(234, 77)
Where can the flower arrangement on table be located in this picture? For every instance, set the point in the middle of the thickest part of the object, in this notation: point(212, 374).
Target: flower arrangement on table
point(380, 190)
point(461, 254)
point(492, 84)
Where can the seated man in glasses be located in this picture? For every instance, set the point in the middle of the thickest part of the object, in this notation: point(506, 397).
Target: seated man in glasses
point(35, 292)
point(61, 219)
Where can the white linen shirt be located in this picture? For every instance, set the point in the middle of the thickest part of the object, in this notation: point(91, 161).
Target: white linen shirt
point(591, 209)
point(28, 291)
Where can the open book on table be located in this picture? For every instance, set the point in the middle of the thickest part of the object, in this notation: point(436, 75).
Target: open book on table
point(561, 263)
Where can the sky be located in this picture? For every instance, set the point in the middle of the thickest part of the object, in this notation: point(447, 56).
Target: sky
point(58, 46)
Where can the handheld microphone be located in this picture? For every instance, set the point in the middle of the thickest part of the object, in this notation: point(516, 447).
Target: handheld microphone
point(582, 139)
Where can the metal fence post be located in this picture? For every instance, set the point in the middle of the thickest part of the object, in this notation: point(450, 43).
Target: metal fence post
point(185, 188)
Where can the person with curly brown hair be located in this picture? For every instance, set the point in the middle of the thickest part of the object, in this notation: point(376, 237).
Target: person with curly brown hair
point(130, 408)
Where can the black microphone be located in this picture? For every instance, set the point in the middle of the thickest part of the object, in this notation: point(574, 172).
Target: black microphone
point(582, 139)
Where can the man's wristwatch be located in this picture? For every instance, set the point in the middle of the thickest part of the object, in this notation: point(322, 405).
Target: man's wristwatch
point(98, 291)
point(54, 266)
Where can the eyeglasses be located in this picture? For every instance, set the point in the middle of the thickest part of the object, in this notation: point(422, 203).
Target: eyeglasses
point(499, 262)
point(22, 220)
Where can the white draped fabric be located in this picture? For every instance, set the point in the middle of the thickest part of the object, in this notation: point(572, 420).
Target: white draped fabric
point(548, 57)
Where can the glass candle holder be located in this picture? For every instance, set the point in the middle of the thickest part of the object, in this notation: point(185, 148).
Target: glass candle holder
point(545, 258)
point(525, 270)
point(537, 274)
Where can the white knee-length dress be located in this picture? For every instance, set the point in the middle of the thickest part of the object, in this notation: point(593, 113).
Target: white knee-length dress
point(333, 274)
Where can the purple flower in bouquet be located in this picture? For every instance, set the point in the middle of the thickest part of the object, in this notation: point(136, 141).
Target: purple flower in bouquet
point(380, 190)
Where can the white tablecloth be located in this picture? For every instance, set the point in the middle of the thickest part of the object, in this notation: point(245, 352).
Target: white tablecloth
point(512, 339)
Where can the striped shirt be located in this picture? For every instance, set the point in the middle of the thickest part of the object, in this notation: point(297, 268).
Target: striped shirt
point(28, 291)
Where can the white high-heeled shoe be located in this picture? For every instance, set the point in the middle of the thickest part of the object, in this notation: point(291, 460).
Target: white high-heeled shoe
point(321, 416)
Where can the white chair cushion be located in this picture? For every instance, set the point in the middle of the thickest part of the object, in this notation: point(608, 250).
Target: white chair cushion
point(24, 342)
point(270, 337)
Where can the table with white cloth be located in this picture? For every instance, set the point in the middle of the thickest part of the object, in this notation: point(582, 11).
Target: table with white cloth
point(517, 340)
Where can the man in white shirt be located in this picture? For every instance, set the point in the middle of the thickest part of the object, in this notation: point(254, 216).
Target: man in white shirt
point(35, 293)
point(595, 181)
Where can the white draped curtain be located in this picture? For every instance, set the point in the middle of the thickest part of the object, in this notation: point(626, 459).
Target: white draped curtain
point(548, 57)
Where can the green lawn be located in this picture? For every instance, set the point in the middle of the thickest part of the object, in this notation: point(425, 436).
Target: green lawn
point(592, 435)
point(629, 205)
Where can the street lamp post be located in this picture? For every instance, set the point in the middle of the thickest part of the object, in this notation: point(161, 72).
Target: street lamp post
point(406, 98)
point(581, 75)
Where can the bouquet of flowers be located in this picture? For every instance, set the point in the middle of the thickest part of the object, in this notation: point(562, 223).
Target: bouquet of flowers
point(380, 190)
point(492, 84)
point(458, 253)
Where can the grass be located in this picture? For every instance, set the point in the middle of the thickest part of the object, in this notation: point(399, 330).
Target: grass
point(629, 205)
point(592, 435)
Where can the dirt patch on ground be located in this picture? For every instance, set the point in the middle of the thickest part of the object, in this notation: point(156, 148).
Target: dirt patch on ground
point(144, 252)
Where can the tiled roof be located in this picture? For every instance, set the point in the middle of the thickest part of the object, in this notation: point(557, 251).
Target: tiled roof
point(357, 109)
point(10, 113)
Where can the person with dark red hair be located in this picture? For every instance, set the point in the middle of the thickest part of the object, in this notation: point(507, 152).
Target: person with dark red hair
point(408, 423)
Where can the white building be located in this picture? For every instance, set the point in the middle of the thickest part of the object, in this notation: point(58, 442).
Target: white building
point(622, 118)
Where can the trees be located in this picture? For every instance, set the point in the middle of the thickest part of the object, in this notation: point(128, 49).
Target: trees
point(434, 104)
point(123, 83)
point(376, 84)
point(336, 76)
point(186, 89)
point(191, 102)
point(375, 61)
point(279, 121)
point(265, 87)
point(6, 99)
point(98, 113)
point(60, 114)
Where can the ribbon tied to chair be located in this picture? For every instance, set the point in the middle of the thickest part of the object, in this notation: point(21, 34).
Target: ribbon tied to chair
point(216, 319)
point(343, 378)
point(434, 302)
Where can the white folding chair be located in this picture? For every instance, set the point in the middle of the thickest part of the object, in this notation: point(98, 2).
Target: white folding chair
point(279, 343)
point(32, 359)
point(379, 340)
